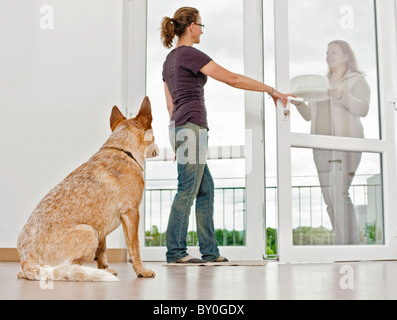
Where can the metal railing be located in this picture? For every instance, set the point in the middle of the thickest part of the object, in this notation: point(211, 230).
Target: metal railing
point(229, 216)
point(311, 225)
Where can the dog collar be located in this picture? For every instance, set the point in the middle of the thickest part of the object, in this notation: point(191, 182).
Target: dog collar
point(128, 153)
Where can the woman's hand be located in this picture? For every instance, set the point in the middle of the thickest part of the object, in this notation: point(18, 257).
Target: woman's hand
point(335, 93)
point(281, 96)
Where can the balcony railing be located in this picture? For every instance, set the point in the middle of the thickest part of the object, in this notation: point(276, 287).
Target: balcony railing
point(311, 225)
point(229, 217)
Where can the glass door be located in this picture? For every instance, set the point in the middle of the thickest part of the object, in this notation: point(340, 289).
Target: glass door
point(336, 148)
point(235, 131)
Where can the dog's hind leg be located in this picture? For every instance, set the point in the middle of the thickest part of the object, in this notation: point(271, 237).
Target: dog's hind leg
point(76, 246)
point(80, 244)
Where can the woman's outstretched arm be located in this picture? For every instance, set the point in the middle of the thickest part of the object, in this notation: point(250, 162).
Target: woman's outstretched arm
point(239, 81)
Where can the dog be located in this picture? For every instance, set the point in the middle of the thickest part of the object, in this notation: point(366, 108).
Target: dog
point(70, 224)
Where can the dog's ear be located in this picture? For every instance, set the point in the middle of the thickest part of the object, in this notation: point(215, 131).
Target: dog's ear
point(116, 118)
point(144, 117)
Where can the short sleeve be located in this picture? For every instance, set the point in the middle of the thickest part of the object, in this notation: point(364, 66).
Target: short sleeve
point(195, 60)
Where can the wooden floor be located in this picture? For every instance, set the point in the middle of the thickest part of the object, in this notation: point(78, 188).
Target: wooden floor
point(365, 280)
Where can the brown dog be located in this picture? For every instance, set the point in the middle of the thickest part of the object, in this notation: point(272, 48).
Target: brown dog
point(69, 226)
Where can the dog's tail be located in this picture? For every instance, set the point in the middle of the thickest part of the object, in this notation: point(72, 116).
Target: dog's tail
point(67, 272)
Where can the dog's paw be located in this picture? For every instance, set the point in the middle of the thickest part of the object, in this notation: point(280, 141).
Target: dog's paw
point(114, 272)
point(146, 273)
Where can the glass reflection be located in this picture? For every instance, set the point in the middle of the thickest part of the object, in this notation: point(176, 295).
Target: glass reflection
point(337, 198)
point(339, 110)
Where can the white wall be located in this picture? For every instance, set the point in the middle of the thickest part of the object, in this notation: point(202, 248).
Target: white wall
point(57, 88)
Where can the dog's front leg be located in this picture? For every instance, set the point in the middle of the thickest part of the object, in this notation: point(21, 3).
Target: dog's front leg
point(101, 257)
point(130, 221)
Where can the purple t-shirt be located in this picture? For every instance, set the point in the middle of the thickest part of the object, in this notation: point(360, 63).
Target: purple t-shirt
point(181, 72)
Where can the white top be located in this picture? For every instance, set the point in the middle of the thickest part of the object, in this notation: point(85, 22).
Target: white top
point(344, 114)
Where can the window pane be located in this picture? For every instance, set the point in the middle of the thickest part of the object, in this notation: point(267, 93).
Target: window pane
point(353, 109)
point(337, 198)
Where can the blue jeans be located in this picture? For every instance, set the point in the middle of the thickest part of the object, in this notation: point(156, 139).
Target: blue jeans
point(190, 143)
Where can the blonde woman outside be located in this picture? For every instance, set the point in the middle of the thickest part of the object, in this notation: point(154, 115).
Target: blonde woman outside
point(349, 99)
point(185, 73)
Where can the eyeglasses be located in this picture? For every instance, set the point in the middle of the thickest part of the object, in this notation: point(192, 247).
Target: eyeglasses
point(198, 24)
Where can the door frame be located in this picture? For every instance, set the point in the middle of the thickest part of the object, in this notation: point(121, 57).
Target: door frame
point(385, 10)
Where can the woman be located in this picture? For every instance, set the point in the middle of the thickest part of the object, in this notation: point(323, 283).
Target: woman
point(349, 98)
point(185, 74)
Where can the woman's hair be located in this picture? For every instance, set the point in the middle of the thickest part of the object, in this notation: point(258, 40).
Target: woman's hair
point(177, 26)
point(347, 50)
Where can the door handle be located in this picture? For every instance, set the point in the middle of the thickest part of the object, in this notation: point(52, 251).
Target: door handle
point(287, 112)
point(287, 109)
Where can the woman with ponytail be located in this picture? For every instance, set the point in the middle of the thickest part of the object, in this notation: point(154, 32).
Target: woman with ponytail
point(185, 73)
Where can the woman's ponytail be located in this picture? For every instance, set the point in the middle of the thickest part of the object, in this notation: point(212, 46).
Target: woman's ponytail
point(167, 32)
